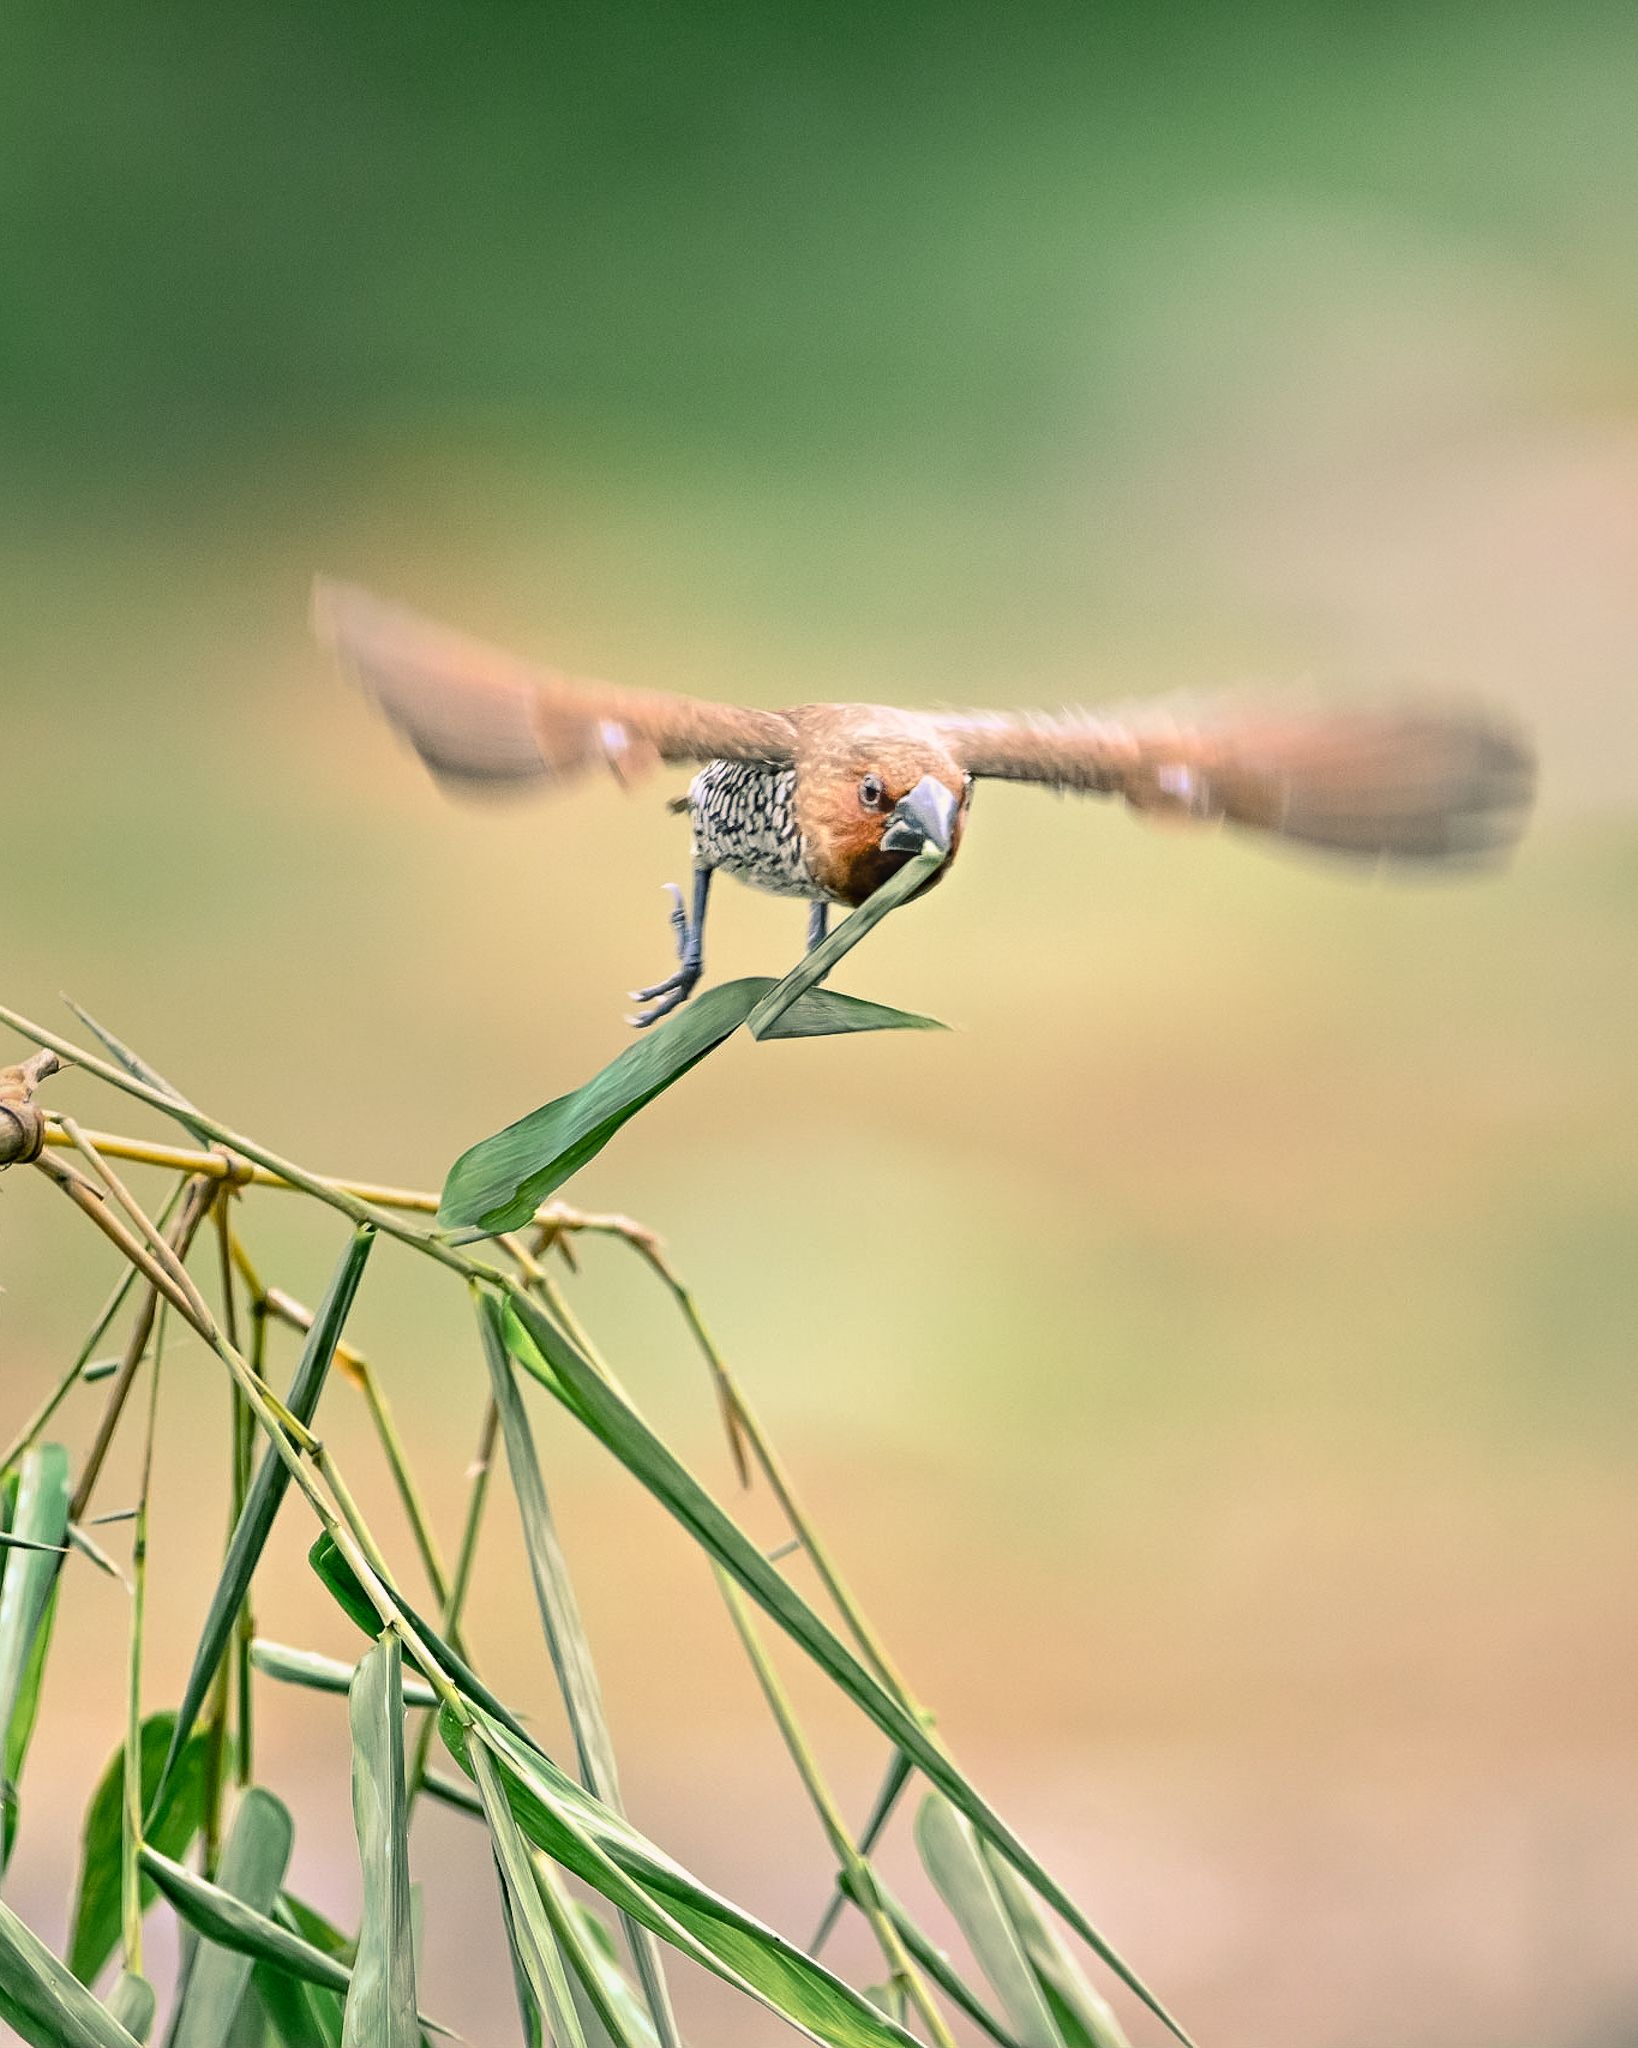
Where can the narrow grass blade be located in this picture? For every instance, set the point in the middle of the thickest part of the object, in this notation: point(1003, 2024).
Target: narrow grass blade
point(1084, 2019)
point(267, 1490)
point(133, 1063)
point(381, 2003)
point(954, 1859)
point(172, 1826)
point(324, 1674)
point(577, 1831)
point(251, 1871)
point(46, 2005)
point(547, 1352)
point(534, 1945)
point(499, 1183)
point(132, 2003)
point(560, 1620)
point(39, 1520)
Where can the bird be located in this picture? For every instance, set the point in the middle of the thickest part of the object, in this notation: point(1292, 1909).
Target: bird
point(824, 802)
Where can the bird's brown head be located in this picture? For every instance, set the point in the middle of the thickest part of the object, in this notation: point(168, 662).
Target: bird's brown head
point(873, 788)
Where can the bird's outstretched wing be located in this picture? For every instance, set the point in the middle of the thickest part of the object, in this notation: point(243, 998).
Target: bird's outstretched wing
point(484, 722)
point(1411, 782)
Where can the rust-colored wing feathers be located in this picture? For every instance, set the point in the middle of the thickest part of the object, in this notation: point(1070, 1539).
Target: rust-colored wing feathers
point(484, 722)
point(1415, 783)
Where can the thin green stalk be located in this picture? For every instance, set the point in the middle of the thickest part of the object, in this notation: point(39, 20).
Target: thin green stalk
point(111, 1308)
point(131, 1806)
point(325, 1191)
point(357, 1368)
point(186, 1223)
point(874, 1650)
point(483, 1465)
point(244, 1448)
point(899, 1772)
point(861, 1880)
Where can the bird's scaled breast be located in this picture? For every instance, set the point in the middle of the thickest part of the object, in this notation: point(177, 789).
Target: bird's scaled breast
point(744, 819)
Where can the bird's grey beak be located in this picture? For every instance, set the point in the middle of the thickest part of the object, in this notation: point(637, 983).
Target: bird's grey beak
point(926, 817)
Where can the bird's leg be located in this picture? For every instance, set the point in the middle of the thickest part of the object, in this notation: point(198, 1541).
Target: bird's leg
point(818, 923)
point(665, 996)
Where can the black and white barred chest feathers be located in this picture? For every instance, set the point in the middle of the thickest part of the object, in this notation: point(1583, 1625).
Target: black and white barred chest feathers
point(744, 819)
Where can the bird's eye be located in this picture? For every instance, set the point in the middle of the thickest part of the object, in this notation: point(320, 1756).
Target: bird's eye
point(871, 792)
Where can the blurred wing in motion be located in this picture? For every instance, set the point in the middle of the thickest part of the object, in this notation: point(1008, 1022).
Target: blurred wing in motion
point(1410, 783)
point(486, 723)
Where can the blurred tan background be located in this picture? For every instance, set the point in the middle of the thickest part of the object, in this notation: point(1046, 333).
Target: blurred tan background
point(1215, 1359)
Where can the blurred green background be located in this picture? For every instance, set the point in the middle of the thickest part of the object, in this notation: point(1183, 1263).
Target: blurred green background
point(1216, 1358)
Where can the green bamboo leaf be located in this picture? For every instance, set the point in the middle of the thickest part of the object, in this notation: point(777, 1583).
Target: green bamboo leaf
point(132, 2003)
point(39, 1520)
point(45, 2003)
point(231, 1924)
point(267, 1489)
point(1084, 2019)
point(499, 1183)
point(251, 1870)
point(302, 2014)
point(954, 1859)
point(133, 1063)
point(591, 1842)
point(610, 2010)
point(324, 1674)
point(381, 2004)
point(936, 1965)
point(339, 1576)
point(173, 1825)
point(549, 1354)
point(772, 1016)
point(534, 1945)
point(563, 1628)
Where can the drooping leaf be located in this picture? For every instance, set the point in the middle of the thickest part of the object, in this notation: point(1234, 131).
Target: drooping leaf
point(178, 1818)
point(39, 1517)
point(580, 1833)
point(303, 2014)
point(534, 1944)
point(953, 1858)
point(1084, 2018)
point(343, 1582)
point(498, 1184)
point(381, 2002)
point(563, 1628)
point(251, 1870)
point(132, 2003)
point(546, 1351)
point(231, 1924)
point(610, 2008)
point(324, 1674)
point(45, 2003)
point(267, 1489)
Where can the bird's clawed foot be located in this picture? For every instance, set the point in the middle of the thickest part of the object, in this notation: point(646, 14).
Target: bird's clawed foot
point(670, 994)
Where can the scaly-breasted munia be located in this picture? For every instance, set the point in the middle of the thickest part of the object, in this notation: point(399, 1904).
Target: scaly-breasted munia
point(826, 801)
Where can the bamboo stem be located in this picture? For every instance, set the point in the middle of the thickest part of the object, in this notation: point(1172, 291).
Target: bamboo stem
point(860, 1879)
